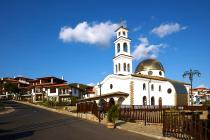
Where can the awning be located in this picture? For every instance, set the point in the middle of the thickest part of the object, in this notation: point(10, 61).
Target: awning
point(104, 96)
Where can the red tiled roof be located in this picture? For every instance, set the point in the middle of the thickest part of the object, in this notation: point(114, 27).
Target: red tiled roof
point(58, 85)
point(199, 88)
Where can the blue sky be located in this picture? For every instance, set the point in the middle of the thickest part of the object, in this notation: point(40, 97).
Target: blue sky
point(31, 43)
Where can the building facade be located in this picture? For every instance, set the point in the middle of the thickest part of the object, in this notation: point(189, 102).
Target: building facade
point(200, 95)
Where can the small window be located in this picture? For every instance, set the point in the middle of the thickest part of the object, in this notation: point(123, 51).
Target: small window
point(152, 87)
point(160, 73)
point(119, 66)
point(118, 33)
point(124, 33)
point(150, 72)
point(169, 91)
point(111, 86)
point(52, 90)
point(118, 47)
point(124, 66)
point(128, 67)
point(125, 47)
point(144, 86)
point(160, 88)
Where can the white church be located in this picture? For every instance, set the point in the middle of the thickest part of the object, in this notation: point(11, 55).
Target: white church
point(147, 85)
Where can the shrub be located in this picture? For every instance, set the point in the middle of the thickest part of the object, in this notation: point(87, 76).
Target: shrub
point(74, 100)
point(113, 113)
point(207, 103)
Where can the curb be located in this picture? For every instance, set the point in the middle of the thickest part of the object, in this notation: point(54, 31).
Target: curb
point(145, 134)
point(10, 109)
point(80, 116)
point(46, 108)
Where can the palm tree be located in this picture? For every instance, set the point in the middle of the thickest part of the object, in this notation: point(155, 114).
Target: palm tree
point(191, 73)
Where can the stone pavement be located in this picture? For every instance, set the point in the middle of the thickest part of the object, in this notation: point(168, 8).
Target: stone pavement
point(150, 130)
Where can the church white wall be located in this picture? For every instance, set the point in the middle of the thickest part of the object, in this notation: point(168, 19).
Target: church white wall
point(168, 98)
point(119, 83)
point(139, 93)
point(122, 84)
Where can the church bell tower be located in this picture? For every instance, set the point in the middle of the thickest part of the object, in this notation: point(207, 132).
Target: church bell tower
point(123, 59)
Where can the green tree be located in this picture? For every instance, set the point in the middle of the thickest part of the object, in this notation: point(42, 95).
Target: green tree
point(113, 114)
point(11, 88)
point(73, 100)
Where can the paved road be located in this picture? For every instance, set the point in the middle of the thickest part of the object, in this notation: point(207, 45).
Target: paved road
point(27, 122)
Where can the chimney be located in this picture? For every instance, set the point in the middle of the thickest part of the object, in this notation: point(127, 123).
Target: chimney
point(62, 77)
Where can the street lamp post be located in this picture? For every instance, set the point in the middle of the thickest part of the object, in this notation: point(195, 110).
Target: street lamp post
point(191, 73)
point(99, 85)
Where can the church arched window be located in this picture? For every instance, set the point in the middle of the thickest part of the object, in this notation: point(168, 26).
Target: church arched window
point(116, 68)
point(124, 66)
point(144, 86)
point(125, 47)
point(128, 67)
point(153, 100)
point(119, 66)
point(152, 87)
point(160, 88)
point(144, 100)
point(118, 47)
point(124, 33)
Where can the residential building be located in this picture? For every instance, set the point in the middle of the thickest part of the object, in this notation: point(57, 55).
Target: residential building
point(200, 95)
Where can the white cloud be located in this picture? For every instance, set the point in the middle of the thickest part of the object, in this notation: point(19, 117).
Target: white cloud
point(146, 50)
point(167, 29)
point(94, 33)
point(137, 28)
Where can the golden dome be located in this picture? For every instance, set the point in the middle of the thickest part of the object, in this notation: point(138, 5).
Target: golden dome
point(149, 64)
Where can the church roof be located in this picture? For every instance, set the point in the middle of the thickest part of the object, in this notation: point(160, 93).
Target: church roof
point(104, 96)
point(157, 78)
point(150, 77)
point(121, 27)
point(149, 64)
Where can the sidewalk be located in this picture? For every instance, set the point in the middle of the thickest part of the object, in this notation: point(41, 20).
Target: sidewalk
point(153, 130)
point(150, 130)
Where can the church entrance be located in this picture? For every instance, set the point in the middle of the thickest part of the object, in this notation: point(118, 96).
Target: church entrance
point(111, 102)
